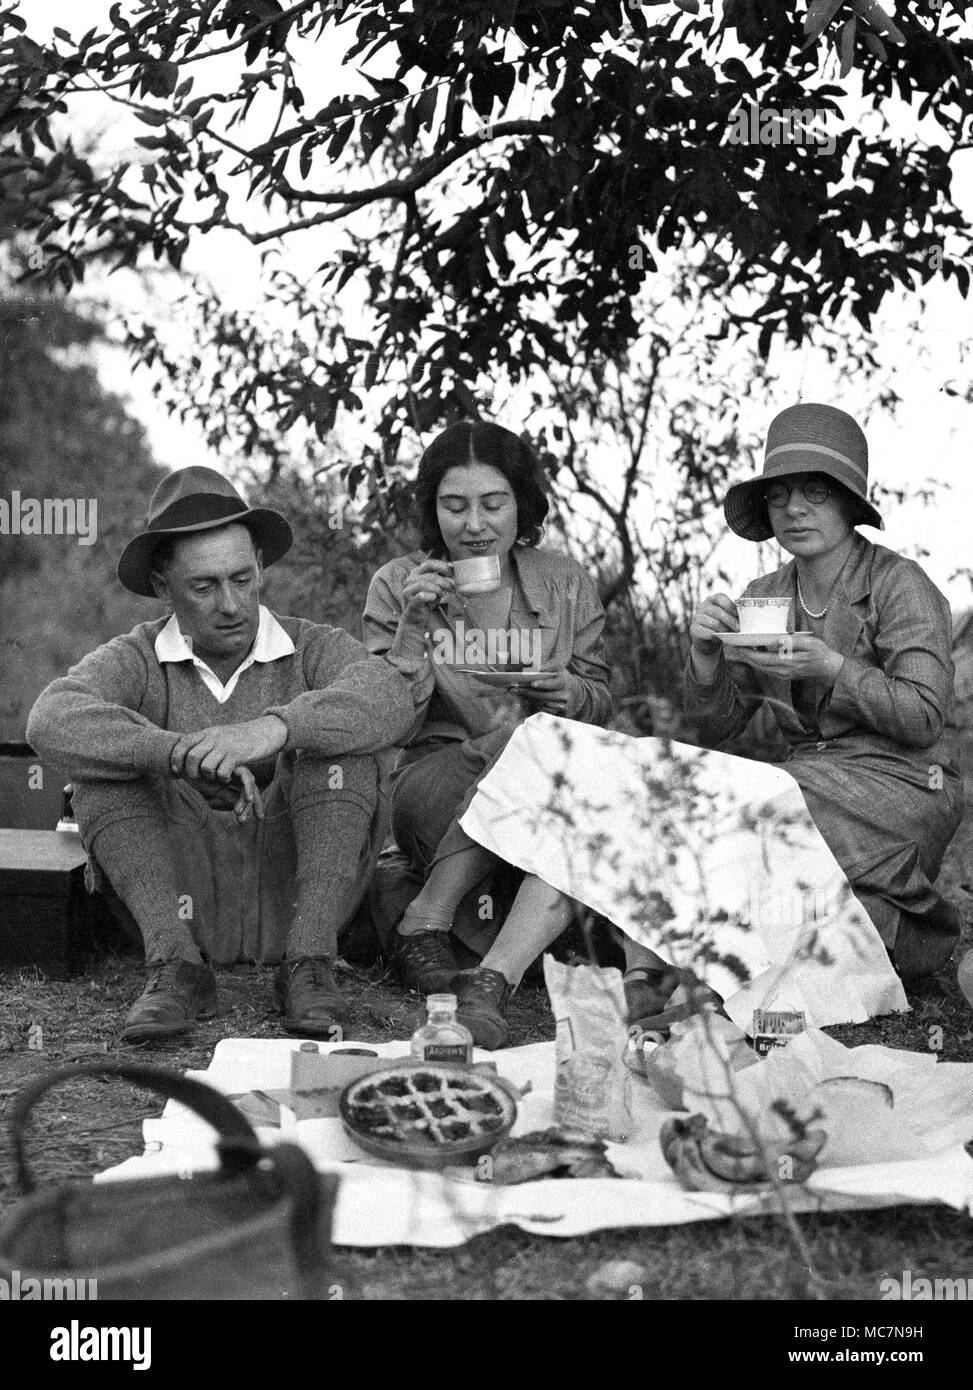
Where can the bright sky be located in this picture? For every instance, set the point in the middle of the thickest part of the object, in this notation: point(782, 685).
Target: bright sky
point(926, 440)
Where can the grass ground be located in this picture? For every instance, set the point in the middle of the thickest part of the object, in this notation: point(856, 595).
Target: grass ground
point(93, 1124)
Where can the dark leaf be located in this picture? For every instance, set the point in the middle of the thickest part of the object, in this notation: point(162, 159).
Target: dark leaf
point(819, 15)
point(160, 78)
point(387, 86)
point(873, 42)
point(846, 46)
point(736, 71)
point(873, 14)
point(425, 108)
point(340, 138)
point(482, 93)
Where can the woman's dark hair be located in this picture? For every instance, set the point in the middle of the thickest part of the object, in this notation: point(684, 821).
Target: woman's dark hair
point(851, 505)
point(494, 447)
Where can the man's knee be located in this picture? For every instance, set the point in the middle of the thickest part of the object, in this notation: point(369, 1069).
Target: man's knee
point(335, 772)
point(351, 777)
point(98, 805)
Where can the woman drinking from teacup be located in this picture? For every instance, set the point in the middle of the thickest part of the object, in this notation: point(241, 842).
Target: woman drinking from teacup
point(478, 599)
point(859, 676)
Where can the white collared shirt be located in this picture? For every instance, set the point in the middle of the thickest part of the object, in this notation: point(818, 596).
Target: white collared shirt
point(270, 644)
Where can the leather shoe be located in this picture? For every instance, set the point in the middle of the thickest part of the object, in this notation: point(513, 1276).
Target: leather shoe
point(655, 999)
point(481, 1005)
point(176, 993)
point(426, 962)
point(307, 995)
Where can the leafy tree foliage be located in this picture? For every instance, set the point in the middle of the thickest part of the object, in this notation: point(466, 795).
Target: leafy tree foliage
point(641, 449)
point(62, 435)
point(492, 194)
point(504, 188)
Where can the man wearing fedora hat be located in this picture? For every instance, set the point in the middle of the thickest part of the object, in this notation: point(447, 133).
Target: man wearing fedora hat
point(224, 760)
point(861, 683)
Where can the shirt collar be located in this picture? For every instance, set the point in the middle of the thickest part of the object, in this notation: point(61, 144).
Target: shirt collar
point(536, 591)
point(854, 579)
point(270, 643)
point(856, 575)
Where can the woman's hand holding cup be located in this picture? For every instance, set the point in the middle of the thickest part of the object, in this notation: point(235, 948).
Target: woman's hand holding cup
point(429, 584)
point(718, 613)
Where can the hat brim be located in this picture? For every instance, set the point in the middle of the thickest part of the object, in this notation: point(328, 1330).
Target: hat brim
point(745, 509)
point(272, 535)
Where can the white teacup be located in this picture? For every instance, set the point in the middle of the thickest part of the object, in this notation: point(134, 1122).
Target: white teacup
point(479, 575)
point(763, 614)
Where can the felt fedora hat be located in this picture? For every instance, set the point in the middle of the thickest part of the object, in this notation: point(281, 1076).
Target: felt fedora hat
point(805, 438)
point(192, 500)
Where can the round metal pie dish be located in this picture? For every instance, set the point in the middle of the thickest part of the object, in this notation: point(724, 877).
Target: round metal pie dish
point(428, 1114)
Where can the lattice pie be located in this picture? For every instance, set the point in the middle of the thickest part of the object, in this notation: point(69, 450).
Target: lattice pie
point(427, 1105)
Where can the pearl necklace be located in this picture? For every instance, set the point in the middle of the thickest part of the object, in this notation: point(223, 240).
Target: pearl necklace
point(807, 610)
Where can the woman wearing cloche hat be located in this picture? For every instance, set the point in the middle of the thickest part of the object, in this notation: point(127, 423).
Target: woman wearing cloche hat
point(861, 684)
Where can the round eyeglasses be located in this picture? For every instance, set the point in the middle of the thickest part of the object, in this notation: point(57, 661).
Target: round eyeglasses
point(814, 490)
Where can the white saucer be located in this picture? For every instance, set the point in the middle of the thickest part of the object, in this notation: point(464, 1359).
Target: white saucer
point(752, 639)
point(501, 678)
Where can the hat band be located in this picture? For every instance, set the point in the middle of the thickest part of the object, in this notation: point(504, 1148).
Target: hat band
point(196, 510)
point(807, 448)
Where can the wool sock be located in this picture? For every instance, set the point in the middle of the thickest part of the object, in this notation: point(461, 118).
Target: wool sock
point(134, 855)
point(333, 820)
point(415, 921)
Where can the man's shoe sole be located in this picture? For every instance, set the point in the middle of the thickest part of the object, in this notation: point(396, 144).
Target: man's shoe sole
point(313, 1028)
point(308, 1027)
point(148, 1032)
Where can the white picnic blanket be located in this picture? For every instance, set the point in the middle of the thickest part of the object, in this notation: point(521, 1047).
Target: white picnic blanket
point(379, 1204)
point(710, 860)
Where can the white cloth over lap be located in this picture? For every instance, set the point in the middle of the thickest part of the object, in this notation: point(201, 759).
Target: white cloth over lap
point(708, 859)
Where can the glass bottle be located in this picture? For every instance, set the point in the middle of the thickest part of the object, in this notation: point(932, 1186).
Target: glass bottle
point(442, 1038)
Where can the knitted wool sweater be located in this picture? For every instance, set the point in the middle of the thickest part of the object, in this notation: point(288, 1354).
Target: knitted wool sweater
point(118, 714)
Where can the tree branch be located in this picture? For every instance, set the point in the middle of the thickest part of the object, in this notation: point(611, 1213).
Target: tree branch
point(352, 200)
point(283, 18)
point(398, 188)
